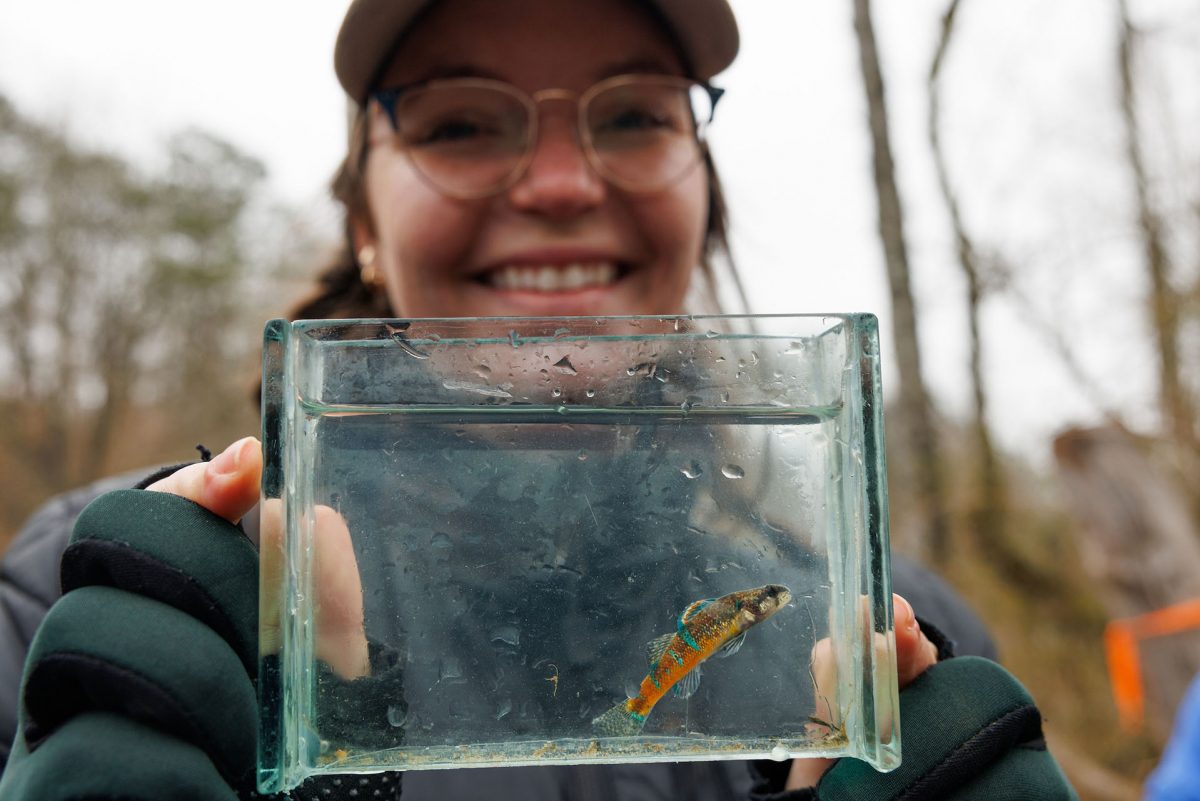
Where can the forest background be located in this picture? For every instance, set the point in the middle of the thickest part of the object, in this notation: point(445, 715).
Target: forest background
point(1014, 187)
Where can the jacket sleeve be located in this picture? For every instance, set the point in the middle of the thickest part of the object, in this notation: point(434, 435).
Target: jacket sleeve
point(29, 584)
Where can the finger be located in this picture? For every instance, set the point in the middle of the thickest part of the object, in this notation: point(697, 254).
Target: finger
point(227, 486)
point(807, 772)
point(914, 652)
point(341, 638)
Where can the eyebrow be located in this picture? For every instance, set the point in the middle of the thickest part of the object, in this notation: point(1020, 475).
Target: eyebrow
point(641, 64)
point(455, 71)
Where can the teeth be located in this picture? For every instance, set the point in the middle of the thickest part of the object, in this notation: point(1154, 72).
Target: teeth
point(553, 278)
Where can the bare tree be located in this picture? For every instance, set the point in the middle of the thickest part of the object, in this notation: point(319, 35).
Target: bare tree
point(122, 299)
point(915, 417)
point(1174, 397)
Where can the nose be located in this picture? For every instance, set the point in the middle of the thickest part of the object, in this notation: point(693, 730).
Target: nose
point(558, 182)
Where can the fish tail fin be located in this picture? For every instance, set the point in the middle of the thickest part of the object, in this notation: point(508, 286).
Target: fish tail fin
point(620, 721)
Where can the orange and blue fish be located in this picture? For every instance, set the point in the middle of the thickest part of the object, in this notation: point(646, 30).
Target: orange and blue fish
point(712, 626)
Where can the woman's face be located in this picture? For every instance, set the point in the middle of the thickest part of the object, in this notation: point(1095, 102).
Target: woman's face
point(587, 247)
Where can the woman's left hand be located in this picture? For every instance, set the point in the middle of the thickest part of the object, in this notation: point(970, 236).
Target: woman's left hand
point(914, 655)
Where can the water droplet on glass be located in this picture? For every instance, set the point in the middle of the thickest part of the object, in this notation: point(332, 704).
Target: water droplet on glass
point(733, 471)
point(565, 367)
point(693, 470)
point(397, 716)
point(440, 540)
point(724, 397)
point(507, 634)
point(779, 753)
point(591, 393)
point(753, 358)
point(632, 690)
point(482, 370)
point(505, 708)
point(583, 456)
point(556, 393)
point(711, 334)
point(514, 339)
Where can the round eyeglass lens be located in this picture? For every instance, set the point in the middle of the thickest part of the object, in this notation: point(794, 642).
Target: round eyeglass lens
point(466, 139)
point(645, 133)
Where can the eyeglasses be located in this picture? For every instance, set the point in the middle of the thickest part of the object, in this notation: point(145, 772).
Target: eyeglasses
point(471, 138)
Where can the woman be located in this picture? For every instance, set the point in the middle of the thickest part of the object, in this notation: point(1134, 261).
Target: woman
point(546, 196)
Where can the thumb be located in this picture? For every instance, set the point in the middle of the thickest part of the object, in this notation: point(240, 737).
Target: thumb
point(914, 652)
point(227, 486)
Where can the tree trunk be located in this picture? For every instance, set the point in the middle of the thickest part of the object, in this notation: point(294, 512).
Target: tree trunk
point(919, 439)
point(1139, 542)
point(988, 497)
point(1174, 400)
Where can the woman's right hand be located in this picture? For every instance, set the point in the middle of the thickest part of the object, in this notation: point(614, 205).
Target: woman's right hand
point(229, 487)
point(139, 683)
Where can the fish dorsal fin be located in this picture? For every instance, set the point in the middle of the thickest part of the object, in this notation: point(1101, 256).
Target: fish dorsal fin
point(657, 647)
point(730, 648)
point(687, 686)
point(693, 608)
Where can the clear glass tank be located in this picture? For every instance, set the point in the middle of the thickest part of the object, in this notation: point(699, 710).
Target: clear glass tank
point(474, 531)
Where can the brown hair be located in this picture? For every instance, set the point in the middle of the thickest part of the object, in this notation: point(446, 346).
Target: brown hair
point(342, 293)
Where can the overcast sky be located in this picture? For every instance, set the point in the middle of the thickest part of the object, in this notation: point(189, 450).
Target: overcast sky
point(1030, 98)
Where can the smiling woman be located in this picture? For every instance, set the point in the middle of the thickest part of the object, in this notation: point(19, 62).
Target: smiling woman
point(565, 173)
point(531, 157)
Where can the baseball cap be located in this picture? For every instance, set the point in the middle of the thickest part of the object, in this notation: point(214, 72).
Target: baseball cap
point(705, 30)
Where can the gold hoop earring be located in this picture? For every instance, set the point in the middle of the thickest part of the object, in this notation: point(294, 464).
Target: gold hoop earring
point(367, 270)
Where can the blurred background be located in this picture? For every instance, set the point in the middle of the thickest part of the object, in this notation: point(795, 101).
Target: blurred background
point(1012, 186)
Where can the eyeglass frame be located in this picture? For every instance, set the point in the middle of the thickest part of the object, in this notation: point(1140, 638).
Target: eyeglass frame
point(389, 97)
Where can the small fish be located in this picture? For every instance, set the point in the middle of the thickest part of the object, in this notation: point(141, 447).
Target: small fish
point(707, 627)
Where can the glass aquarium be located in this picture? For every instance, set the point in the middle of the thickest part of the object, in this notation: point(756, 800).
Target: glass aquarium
point(520, 541)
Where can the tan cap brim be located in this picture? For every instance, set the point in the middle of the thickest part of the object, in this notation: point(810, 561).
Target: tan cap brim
point(705, 29)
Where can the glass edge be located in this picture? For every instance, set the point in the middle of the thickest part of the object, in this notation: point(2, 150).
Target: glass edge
point(304, 325)
point(886, 741)
point(270, 757)
point(884, 756)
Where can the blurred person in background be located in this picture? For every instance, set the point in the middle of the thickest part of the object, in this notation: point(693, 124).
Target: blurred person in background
point(528, 200)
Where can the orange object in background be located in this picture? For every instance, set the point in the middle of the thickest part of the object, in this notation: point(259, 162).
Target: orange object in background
point(1121, 638)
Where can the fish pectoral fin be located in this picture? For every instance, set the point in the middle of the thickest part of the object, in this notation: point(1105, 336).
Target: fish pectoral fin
point(730, 648)
point(657, 647)
point(687, 686)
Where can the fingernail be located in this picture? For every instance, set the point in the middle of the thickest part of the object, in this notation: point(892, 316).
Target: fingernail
point(905, 611)
point(229, 459)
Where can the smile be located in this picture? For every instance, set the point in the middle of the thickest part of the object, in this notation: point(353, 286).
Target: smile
point(553, 277)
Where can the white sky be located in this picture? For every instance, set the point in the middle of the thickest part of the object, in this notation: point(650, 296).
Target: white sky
point(1031, 128)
